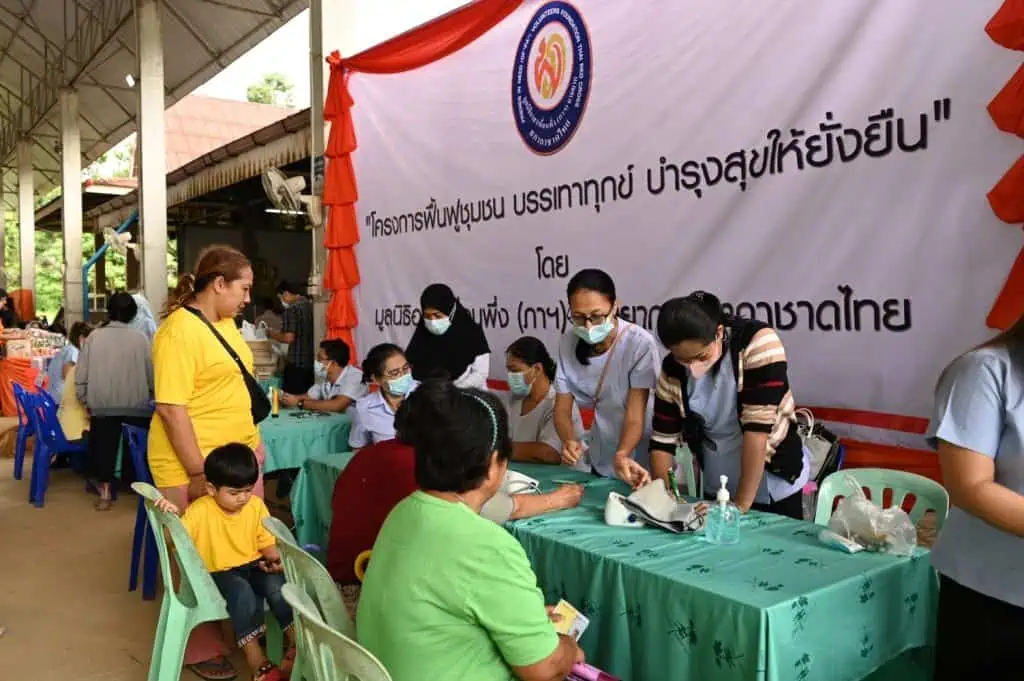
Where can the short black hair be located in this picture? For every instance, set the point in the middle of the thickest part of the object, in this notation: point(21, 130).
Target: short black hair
point(231, 465)
point(454, 433)
point(122, 308)
point(337, 351)
point(290, 287)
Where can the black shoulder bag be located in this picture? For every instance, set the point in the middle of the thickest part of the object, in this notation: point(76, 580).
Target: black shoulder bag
point(259, 404)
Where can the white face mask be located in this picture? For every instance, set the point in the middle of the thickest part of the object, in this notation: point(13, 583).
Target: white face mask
point(438, 327)
point(320, 370)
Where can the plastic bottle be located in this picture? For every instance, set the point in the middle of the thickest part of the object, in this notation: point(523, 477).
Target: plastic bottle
point(723, 522)
point(275, 402)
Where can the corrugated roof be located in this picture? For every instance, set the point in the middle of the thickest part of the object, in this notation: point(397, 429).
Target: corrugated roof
point(197, 125)
point(92, 47)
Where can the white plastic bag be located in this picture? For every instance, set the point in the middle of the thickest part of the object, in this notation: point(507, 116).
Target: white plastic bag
point(856, 518)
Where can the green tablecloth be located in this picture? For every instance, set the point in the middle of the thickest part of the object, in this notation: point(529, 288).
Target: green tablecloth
point(290, 440)
point(778, 606)
point(311, 496)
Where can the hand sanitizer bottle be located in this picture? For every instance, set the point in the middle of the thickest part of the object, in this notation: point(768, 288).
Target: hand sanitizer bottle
point(723, 522)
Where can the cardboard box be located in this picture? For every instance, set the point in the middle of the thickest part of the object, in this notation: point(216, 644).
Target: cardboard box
point(20, 347)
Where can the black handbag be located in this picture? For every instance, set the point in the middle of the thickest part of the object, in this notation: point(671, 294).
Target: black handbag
point(259, 403)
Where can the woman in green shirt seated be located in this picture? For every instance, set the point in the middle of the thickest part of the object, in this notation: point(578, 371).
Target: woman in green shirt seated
point(448, 594)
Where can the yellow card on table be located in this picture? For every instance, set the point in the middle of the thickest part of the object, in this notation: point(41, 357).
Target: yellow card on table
point(571, 621)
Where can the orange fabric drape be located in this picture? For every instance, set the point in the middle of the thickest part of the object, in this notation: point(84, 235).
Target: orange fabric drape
point(419, 47)
point(15, 370)
point(1007, 197)
point(24, 304)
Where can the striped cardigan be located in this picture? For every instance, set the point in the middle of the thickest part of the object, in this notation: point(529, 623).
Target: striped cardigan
point(764, 401)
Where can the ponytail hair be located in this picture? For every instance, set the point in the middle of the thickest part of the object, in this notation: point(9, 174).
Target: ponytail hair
point(214, 261)
point(695, 317)
point(530, 350)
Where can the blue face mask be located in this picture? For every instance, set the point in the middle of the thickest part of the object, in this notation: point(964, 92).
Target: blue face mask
point(517, 384)
point(594, 334)
point(400, 387)
point(320, 370)
point(438, 327)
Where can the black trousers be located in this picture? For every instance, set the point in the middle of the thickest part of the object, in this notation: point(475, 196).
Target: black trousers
point(104, 437)
point(297, 380)
point(978, 637)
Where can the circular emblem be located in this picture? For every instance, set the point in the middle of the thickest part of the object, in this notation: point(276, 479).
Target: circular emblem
point(551, 77)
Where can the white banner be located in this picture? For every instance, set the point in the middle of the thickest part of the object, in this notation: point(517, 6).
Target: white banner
point(819, 165)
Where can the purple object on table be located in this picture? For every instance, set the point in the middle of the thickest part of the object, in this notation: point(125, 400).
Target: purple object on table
point(584, 672)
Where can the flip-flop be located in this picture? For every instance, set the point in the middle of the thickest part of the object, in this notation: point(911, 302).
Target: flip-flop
point(217, 669)
point(104, 504)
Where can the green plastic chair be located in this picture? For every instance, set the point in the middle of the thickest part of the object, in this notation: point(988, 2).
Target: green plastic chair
point(928, 494)
point(307, 572)
point(197, 599)
point(332, 656)
point(684, 458)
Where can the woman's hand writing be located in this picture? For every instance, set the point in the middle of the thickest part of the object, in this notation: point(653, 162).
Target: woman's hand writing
point(572, 452)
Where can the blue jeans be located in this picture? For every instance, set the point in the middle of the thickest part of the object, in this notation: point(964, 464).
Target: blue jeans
point(244, 589)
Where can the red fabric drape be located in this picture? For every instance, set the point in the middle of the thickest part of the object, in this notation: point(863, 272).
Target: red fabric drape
point(1007, 26)
point(406, 52)
point(1007, 198)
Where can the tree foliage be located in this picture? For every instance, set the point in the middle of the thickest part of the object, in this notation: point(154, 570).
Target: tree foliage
point(273, 88)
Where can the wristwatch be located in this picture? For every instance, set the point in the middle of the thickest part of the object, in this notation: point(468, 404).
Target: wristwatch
point(301, 404)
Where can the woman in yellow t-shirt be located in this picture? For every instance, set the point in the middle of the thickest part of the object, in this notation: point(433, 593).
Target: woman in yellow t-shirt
point(201, 401)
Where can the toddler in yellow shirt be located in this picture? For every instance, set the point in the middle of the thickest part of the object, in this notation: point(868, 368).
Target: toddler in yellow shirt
point(227, 529)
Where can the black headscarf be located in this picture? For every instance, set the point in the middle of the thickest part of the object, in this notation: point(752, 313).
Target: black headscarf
point(449, 355)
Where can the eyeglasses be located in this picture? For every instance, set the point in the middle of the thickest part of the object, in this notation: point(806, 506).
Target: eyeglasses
point(398, 373)
point(591, 319)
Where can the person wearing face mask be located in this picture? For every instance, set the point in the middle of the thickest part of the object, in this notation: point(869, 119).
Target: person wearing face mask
point(531, 408)
point(743, 428)
point(386, 367)
point(448, 344)
point(337, 386)
point(609, 365)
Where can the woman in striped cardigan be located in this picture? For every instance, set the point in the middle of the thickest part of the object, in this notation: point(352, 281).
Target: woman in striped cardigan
point(723, 390)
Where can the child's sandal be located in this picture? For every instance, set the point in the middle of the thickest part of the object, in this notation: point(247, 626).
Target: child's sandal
point(268, 672)
point(288, 661)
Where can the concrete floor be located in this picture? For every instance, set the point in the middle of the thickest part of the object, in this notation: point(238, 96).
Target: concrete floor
point(64, 596)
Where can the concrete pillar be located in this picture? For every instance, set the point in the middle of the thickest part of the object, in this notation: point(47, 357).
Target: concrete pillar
point(27, 216)
point(152, 152)
point(71, 213)
point(323, 14)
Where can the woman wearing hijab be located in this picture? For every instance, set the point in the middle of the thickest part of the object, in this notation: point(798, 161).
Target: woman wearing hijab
point(448, 343)
point(144, 320)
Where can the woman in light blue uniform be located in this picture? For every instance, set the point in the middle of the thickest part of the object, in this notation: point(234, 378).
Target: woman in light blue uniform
point(610, 365)
point(373, 420)
point(978, 428)
point(62, 363)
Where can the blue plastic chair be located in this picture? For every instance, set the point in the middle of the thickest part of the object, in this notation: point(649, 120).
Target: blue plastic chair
point(144, 554)
point(25, 401)
point(50, 442)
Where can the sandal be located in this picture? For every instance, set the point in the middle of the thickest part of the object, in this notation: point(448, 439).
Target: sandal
point(104, 504)
point(217, 669)
point(288, 661)
point(268, 672)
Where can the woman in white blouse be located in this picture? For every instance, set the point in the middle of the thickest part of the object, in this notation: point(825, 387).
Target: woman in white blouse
point(531, 412)
point(448, 344)
point(373, 419)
